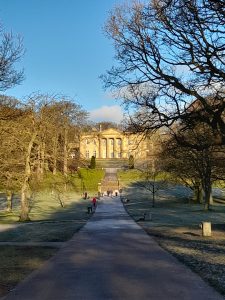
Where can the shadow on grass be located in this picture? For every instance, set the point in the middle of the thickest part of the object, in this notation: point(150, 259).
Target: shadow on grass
point(18, 262)
point(57, 226)
point(172, 207)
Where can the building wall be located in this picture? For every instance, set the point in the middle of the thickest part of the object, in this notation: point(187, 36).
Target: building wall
point(112, 143)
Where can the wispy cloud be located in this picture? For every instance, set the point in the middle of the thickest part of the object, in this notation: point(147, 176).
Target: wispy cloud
point(112, 113)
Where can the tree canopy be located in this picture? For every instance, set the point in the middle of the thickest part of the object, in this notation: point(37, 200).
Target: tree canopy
point(169, 55)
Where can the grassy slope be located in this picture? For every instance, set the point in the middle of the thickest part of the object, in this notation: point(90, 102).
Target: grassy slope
point(50, 222)
point(90, 178)
point(175, 226)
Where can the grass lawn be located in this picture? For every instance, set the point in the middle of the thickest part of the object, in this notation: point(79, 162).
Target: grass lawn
point(128, 176)
point(90, 178)
point(175, 226)
point(49, 223)
point(18, 262)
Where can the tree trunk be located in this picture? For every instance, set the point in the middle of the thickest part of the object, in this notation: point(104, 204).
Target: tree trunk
point(41, 160)
point(9, 196)
point(206, 180)
point(65, 153)
point(24, 213)
point(198, 193)
point(208, 192)
point(42, 169)
point(153, 195)
point(211, 199)
point(54, 170)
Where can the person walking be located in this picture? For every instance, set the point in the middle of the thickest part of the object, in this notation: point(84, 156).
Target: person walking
point(94, 202)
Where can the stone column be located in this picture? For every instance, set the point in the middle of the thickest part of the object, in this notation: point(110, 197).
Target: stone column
point(107, 148)
point(99, 148)
point(121, 148)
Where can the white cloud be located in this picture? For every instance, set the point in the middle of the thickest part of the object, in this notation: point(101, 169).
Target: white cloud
point(112, 113)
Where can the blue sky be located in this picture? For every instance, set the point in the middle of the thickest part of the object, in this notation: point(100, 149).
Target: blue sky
point(66, 50)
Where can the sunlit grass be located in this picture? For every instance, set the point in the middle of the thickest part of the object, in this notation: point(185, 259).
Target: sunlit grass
point(128, 176)
point(90, 178)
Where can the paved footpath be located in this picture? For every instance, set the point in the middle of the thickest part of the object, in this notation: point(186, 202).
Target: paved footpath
point(112, 258)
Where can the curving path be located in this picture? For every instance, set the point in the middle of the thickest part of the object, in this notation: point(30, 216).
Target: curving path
point(113, 258)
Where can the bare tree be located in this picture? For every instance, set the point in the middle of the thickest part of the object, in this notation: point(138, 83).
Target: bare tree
point(169, 55)
point(153, 180)
point(196, 168)
point(35, 140)
point(11, 51)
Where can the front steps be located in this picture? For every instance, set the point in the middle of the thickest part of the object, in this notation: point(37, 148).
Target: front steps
point(111, 163)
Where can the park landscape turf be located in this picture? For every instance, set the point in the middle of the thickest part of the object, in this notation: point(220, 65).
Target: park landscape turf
point(50, 225)
point(175, 226)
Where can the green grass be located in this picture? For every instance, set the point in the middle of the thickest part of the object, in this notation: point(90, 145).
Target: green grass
point(175, 226)
point(18, 262)
point(50, 221)
point(90, 178)
point(173, 207)
point(128, 176)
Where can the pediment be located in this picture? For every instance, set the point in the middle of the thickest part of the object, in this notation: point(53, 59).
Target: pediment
point(111, 131)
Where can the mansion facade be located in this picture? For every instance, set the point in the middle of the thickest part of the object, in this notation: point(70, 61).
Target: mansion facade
point(112, 143)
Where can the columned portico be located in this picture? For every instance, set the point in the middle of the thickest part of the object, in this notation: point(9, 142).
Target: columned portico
point(110, 144)
point(110, 147)
point(99, 148)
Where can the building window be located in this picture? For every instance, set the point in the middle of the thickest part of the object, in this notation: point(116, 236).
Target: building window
point(87, 154)
point(87, 142)
point(94, 141)
point(119, 142)
point(112, 155)
point(94, 153)
point(112, 142)
point(119, 155)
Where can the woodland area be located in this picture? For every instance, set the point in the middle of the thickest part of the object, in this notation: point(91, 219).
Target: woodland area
point(36, 139)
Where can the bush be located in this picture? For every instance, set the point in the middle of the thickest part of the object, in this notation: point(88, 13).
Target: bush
point(93, 163)
point(131, 162)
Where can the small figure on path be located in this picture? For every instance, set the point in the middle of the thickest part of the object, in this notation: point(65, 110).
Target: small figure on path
point(94, 202)
point(108, 193)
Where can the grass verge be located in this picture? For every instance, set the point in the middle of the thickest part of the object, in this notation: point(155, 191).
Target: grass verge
point(50, 223)
point(19, 262)
point(175, 226)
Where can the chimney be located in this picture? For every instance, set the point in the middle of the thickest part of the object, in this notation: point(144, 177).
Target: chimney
point(100, 127)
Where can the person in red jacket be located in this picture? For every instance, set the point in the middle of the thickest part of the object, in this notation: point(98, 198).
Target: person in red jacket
point(94, 202)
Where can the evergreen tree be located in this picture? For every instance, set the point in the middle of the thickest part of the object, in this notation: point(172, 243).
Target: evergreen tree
point(93, 163)
point(131, 162)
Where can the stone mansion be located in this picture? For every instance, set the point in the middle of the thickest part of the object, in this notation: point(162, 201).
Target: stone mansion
point(112, 144)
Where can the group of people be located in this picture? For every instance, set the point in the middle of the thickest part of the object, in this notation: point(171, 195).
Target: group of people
point(94, 199)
